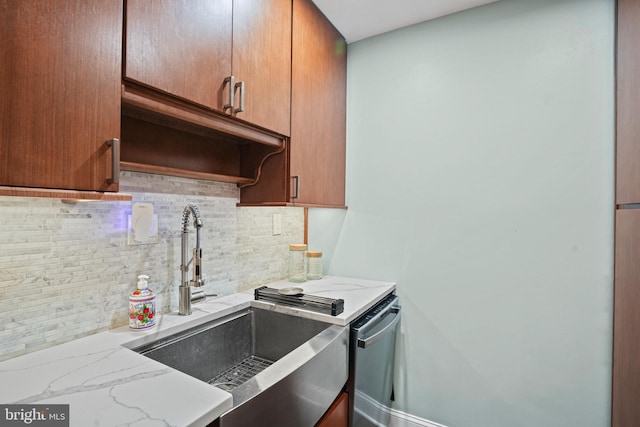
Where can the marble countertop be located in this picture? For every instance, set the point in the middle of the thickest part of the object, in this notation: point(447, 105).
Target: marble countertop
point(358, 295)
point(106, 384)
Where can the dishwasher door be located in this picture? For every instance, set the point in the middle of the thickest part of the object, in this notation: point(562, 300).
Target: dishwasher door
point(372, 356)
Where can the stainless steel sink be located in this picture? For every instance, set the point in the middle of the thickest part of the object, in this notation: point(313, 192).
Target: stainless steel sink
point(282, 370)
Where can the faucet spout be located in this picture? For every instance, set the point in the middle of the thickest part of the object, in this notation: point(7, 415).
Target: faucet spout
point(185, 287)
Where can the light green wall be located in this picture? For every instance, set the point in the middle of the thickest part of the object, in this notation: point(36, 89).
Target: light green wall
point(480, 177)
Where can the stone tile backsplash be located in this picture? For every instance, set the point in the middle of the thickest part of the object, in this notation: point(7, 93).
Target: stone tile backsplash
point(66, 270)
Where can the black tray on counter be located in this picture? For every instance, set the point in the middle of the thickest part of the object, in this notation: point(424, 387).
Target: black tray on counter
point(308, 302)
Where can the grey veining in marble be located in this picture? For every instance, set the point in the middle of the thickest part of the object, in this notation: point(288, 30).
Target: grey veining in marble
point(107, 384)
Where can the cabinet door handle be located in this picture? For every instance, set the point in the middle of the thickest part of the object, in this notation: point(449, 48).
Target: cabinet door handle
point(296, 187)
point(231, 81)
point(240, 109)
point(115, 161)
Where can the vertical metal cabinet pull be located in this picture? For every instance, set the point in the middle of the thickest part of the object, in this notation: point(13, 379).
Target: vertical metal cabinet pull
point(240, 109)
point(296, 186)
point(115, 161)
point(232, 84)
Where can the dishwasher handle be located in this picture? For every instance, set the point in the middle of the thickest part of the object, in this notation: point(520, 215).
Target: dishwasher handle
point(364, 343)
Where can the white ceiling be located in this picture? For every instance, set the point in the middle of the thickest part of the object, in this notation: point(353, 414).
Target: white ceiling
point(359, 19)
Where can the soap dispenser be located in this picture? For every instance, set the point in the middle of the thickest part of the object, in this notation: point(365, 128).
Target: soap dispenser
point(142, 305)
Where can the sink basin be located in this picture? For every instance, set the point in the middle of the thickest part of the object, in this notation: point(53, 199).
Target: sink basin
point(275, 365)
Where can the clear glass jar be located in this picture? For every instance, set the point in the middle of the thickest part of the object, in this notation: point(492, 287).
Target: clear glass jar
point(314, 265)
point(297, 263)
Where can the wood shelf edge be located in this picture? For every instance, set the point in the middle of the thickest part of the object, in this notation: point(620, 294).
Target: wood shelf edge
point(164, 170)
point(313, 205)
point(168, 106)
point(291, 205)
point(66, 195)
point(264, 204)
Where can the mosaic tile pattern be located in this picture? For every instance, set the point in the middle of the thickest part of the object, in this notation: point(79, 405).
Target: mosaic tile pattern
point(66, 270)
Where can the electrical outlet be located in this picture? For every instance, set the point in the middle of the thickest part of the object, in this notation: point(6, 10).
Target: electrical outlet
point(276, 220)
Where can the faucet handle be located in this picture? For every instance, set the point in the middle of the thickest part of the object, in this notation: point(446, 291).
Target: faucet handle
point(197, 295)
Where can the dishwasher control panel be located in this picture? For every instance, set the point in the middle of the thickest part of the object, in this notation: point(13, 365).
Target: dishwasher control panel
point(375, 310)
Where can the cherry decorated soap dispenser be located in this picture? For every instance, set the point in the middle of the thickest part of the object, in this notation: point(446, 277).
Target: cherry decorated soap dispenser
point(142, 305)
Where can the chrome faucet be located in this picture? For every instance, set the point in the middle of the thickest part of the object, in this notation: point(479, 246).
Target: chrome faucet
point(187, 292)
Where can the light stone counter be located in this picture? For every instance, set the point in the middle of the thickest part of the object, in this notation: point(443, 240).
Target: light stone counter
point(106, 384)
point(358, 295)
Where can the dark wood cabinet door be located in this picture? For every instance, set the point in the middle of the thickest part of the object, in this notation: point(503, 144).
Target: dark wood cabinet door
point(626, 313)
point(181, 47)
point(315, 155)
point(262, 60)
point(318, 108)
point(626, 345)
point(60, 80)
point(628, 103)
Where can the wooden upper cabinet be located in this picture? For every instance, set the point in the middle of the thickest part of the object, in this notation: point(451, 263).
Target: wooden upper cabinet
point(318, 108)
point(262, 60)
point(60, 80)
point(312, 170)
point(628, 103)
point(181, 47)
point(190, 49)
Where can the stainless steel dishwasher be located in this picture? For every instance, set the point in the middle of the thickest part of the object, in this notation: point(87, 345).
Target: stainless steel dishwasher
point(371, 361)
